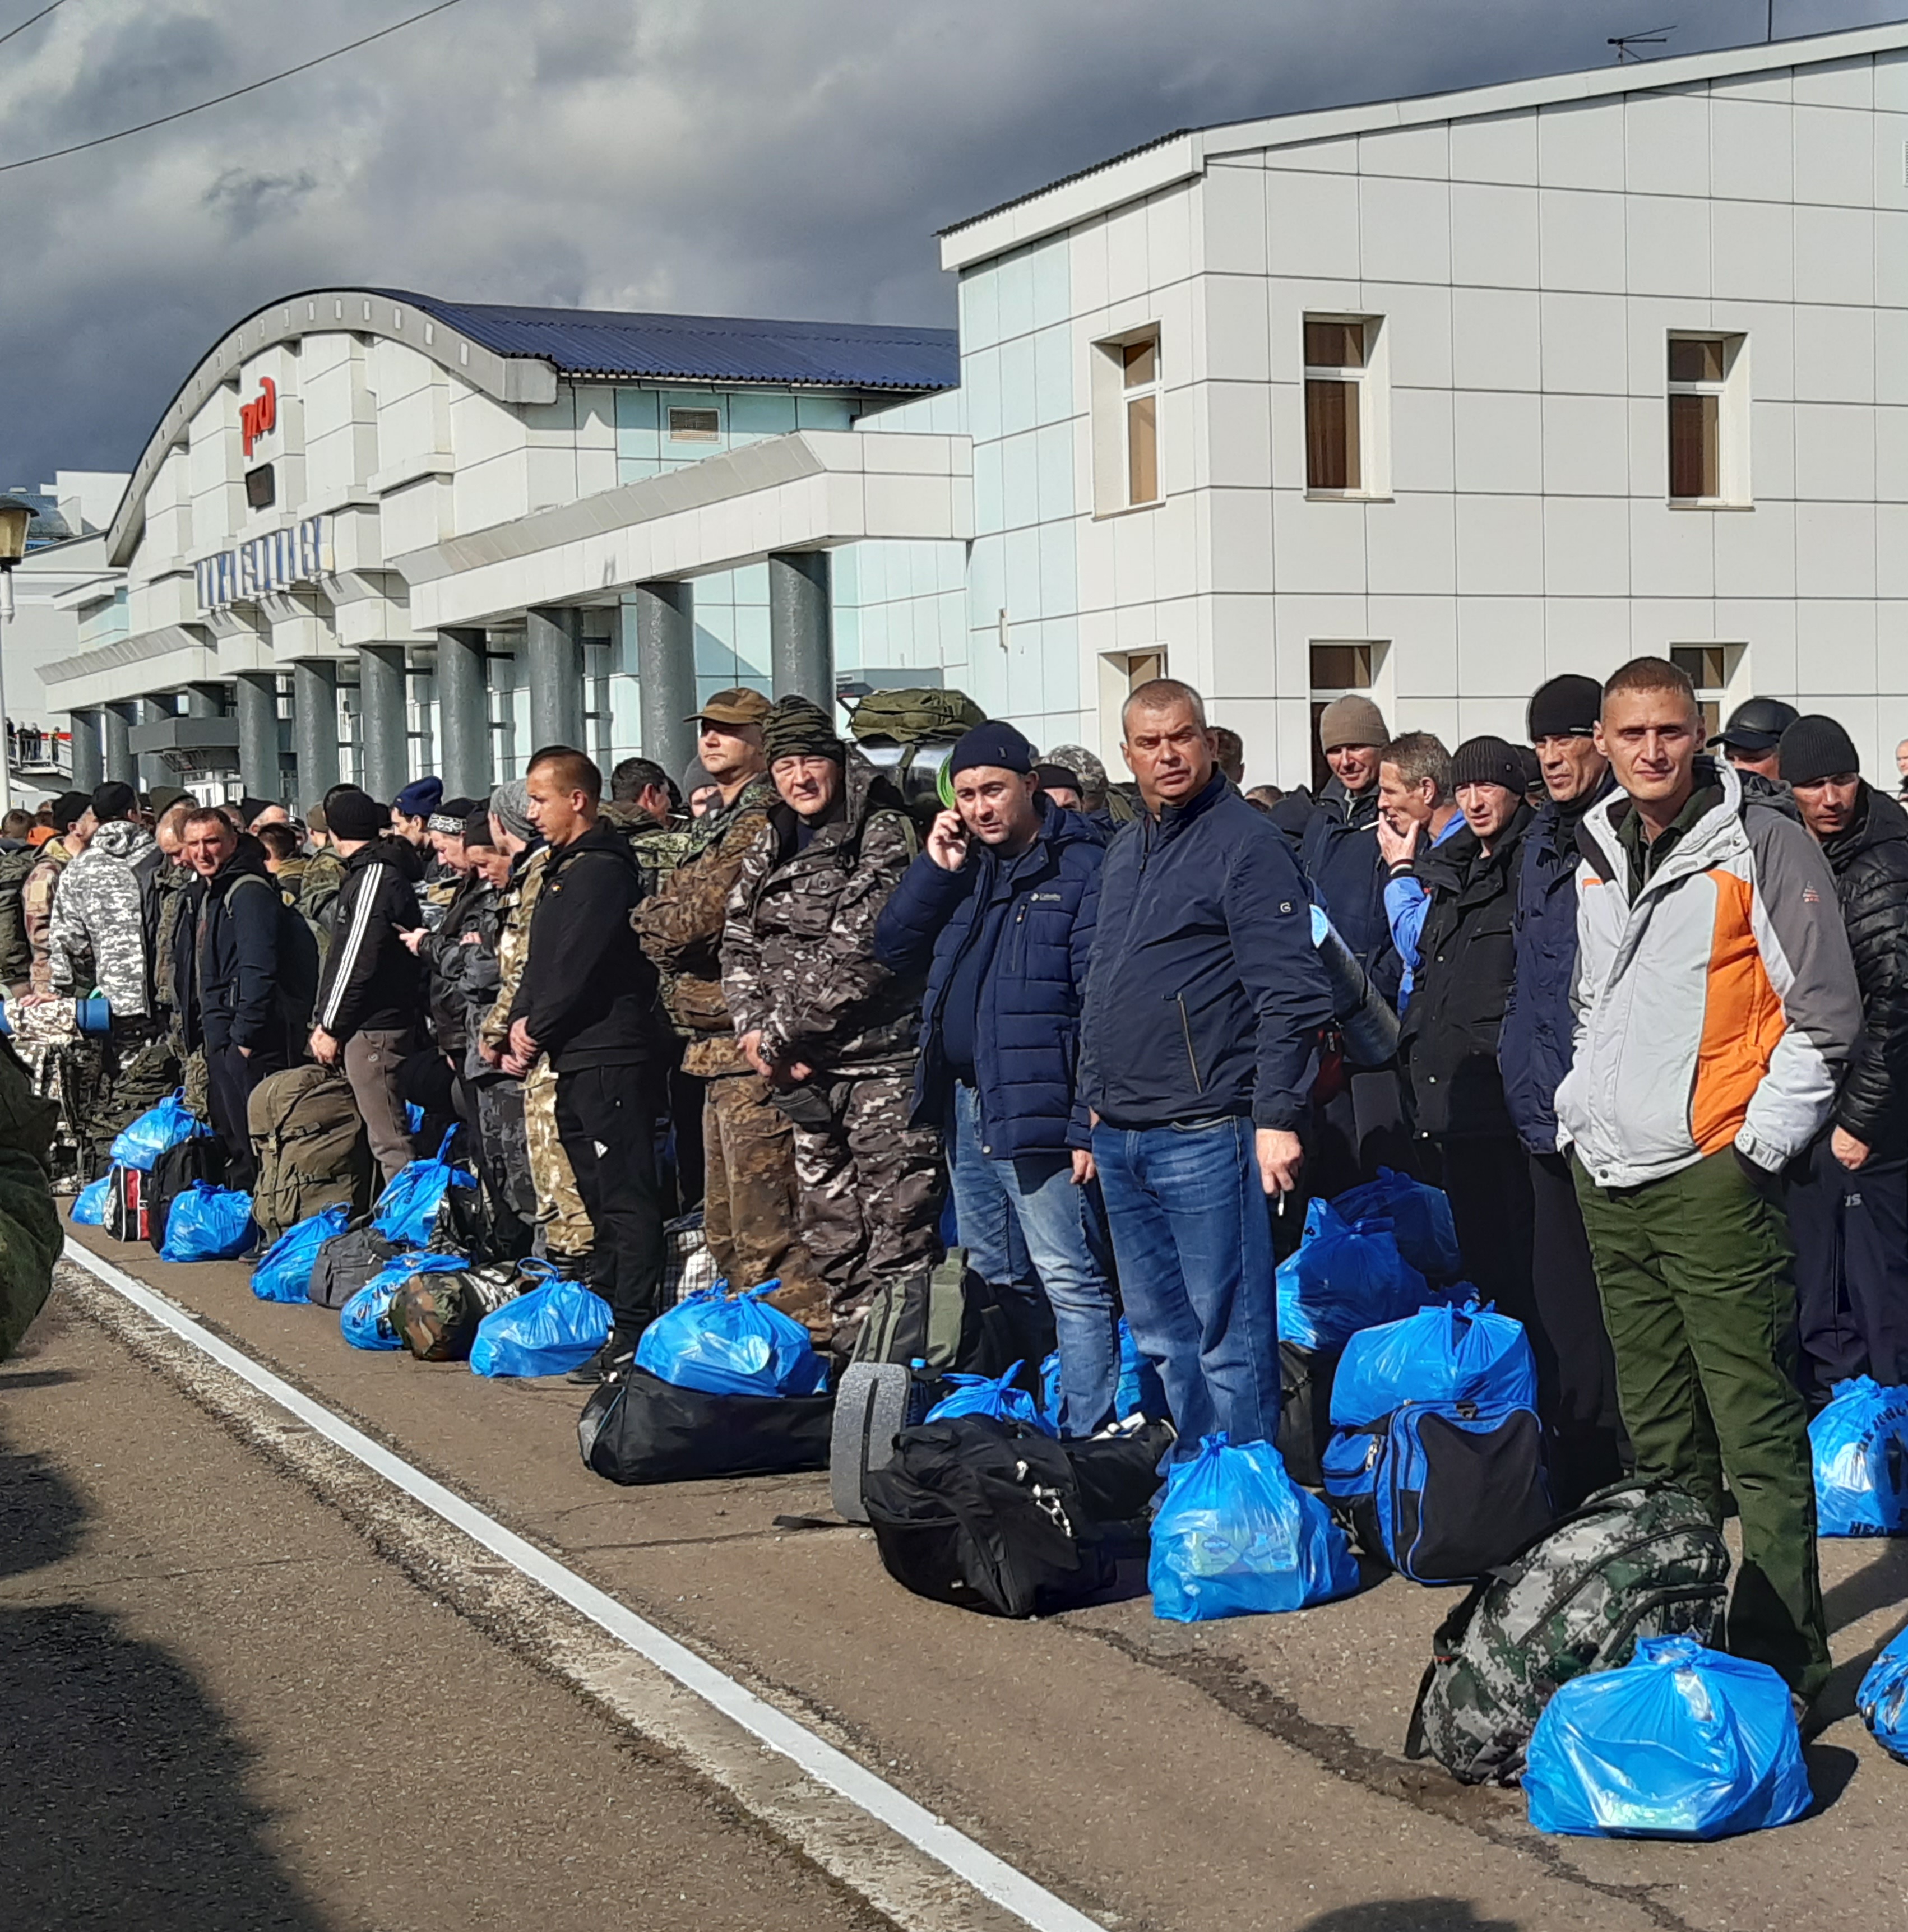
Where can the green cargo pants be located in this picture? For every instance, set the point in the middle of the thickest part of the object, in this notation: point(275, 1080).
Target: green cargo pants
point(1694, 1271)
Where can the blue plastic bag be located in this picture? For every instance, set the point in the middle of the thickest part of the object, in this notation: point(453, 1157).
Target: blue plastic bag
point(1682, 1742)
point(364, 1321)
point(732, 1344)
point(552, 1329)
point(1420, 1218)
point(209, 1224)
point(1472, 1354)
point(407, 1211)
point(413, 1118)
point(283, 1273)
point(1235, 1536)
point(89, 1208)
point(997, 1397)
point(1859, 1446)
point(1141, 1392)
point(167, 1125)
point(1344, 1278)
point(1882, 1699)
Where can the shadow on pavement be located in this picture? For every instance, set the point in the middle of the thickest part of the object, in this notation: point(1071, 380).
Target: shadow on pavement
point(1408, 1915)
point(123, 1790)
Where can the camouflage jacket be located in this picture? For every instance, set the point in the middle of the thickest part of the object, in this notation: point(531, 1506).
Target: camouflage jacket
point(99, 913)
point(174, 901)
point(681, 928)
point(798, 957)
point(515, 904)
point(318, 890)
point(30, 1231)
point(37, 909)
point(659, 849)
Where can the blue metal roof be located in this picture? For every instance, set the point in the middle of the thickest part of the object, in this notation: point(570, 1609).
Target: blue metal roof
point(707, 348)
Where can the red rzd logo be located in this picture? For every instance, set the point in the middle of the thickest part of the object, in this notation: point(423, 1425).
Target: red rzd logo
point(259, 417)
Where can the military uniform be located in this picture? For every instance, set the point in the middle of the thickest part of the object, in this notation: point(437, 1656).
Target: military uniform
point(750, 1205)
point(30, 1232)
point(37, 911)
point(567, 1232)
point(659, 848)
point(318, 891)
point(798, 965)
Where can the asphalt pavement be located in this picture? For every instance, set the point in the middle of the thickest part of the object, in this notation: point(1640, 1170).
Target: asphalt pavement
point(381, 1748)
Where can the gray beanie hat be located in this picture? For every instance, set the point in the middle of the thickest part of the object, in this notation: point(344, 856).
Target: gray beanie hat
point(511, 803)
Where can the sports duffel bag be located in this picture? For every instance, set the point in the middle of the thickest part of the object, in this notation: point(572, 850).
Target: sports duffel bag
point(345, 1262)
point(636, 1428)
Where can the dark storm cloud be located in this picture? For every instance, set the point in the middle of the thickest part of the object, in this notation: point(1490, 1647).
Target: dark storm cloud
point(790, 156)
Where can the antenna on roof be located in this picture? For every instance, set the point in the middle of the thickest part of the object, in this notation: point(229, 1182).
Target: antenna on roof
point(1627, 44)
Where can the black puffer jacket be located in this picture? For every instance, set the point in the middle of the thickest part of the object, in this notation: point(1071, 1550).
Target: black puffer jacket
point(1871, 864)
point(1467, 959)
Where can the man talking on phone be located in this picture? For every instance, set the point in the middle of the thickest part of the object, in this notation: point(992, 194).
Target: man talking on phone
point(1203, 1005)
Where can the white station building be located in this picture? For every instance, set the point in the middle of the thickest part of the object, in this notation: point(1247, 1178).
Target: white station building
point(1436, 398)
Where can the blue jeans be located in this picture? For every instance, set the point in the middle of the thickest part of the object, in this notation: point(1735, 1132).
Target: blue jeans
point(1194, 1241)
point(1012, 1211)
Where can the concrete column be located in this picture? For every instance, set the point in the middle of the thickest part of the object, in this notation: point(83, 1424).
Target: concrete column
point(664, 614)
point(115, 721)
point(258, 733)
point(205, 700)
point(464, 715)
point(314, 727)
point(553, 644)
point(801, 627)
point(153, 769)
point(89, 759)
point(384, 754)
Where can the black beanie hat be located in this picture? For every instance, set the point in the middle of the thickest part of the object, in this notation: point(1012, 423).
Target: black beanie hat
point(1815, 748)
point(1488, 761)
point(477, 828)
point(797, 728)
point(993, 743)
point(1567, 707)
point(69, 808)
point(113, 800)
point(356, 815)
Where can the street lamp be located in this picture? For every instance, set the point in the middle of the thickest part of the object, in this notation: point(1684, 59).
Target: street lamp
point(15, 516)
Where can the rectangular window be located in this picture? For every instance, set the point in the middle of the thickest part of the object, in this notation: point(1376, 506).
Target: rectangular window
point(1127, 406)
point(1335, 366)
point(1707, 419)
point(1709, 667)
point(261, 487)
point(694, 426)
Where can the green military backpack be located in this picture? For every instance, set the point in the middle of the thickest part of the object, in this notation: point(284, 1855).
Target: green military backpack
point(16, 951)
point(924, 717)
point(1639, 1559)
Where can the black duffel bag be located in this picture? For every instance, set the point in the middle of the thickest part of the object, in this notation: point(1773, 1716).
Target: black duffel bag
point(995, 1516)
point(636, 1428)
point(347, 1261)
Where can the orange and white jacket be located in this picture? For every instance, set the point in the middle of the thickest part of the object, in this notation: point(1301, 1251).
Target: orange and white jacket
point(1718, 1007)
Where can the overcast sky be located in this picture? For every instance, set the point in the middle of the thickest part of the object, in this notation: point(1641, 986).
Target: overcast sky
point(781, 157)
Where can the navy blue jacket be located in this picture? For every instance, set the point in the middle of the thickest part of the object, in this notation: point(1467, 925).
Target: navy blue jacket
point(1205, 996)
point(1027, 1028)
point(1534, 1049)
point(257, 961)
point(1339, 850)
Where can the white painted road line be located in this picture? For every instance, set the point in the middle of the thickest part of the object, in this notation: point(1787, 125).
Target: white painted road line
point(972, 1863)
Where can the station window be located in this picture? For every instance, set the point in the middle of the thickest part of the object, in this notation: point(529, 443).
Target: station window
point(695, 426)
point(1126, 409)
point(1709, 667)
point(261, 487)
point(1707, 428)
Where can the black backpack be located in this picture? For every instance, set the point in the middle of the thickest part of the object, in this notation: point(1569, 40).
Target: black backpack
point(298, 960)
point(345, 1262)
point(996, 1517)
point(202, 1158)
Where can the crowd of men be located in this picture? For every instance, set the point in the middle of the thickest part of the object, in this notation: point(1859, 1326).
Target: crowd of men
point(1653, 1007)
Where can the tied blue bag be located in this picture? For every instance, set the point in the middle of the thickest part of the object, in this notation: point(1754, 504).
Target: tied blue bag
point(1682, 1742)
point(283, 1273)
point(997, 1397)
point(1343, 1278)
point(1882, 1699)
point(89, 1209)
point(728, 1344)
point(1858, 1445)
point(364, 1321)
point(1472, 1354)
point(1235, 1536)
point(165, 1125)
point(209, 1224)
point(553, 1329)
point(1420, 1218)
point(407, 1211)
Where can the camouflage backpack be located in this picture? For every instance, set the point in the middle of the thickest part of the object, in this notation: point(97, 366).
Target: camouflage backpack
point(1639, 1559)
point(436, 1314)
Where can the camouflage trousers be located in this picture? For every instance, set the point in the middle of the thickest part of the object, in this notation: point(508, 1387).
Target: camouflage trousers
point(506, 1148)
point(561, 1217)
point(750, 1205)
point(871, 1188)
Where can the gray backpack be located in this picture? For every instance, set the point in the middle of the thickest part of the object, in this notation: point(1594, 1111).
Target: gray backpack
point(345, 1262)
point(1639, 1559)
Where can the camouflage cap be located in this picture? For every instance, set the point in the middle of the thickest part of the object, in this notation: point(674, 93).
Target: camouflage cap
point(1081, 763)
point(737, 706)
point(796, 727)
